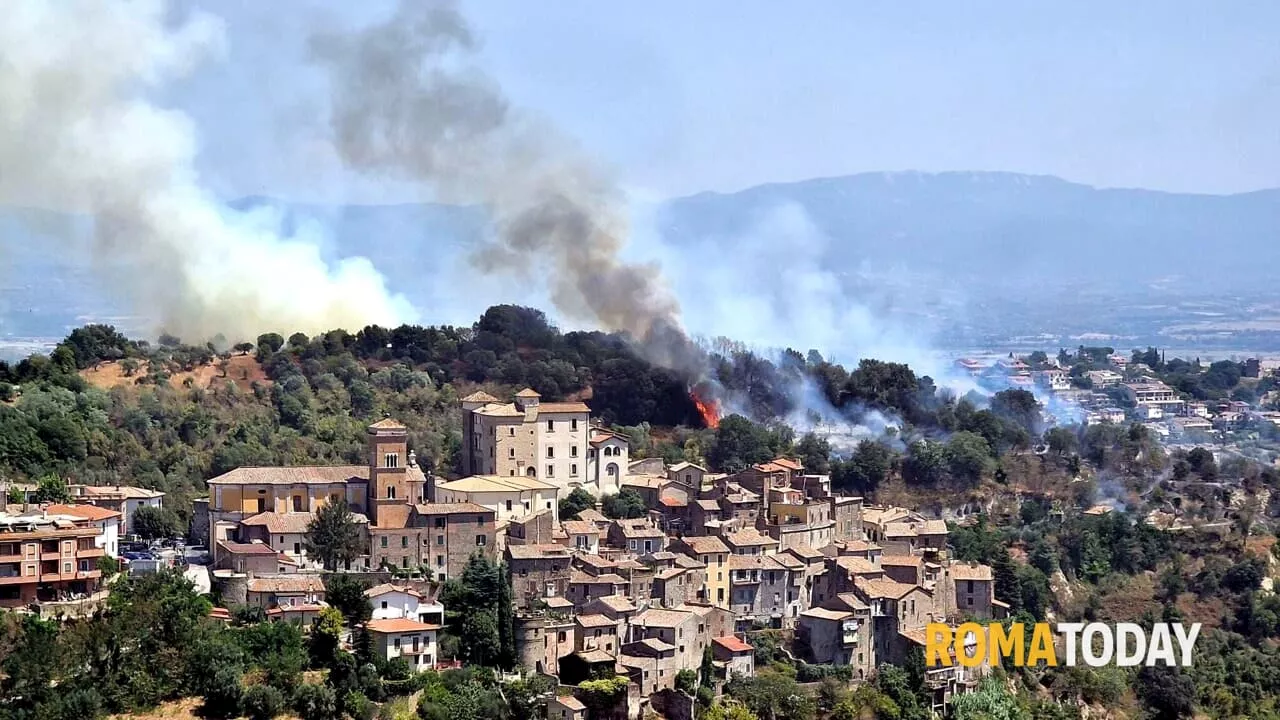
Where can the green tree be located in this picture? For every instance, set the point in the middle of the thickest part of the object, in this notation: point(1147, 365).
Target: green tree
point(223, 695)
point(262, 702)
point(478, 639)
point(772, 695)
point(687, 681)
point(52, 489)
point(739, 443)
point(325, 637)
point(1168, 693)
point(968, 457)
point(574, 503)
point(151, 523)
point(866, 468)
point(270, 343)
point(346, 593)
point(814, 453)
point(316, 702)
point(625, 505)
point(333, 536)
point(991, 701)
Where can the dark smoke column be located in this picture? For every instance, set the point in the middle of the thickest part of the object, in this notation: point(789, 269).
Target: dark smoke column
point(407, 104)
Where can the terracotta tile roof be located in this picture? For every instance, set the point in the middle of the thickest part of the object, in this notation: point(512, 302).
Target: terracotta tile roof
point(562, 407)
point(578, 577)
point(686, 466)
point(528, 393)
point(705, 544)
point(656, 645)
point(857, 566)
point(788, 463)
point(124, 491)
point(749, 537)
point(617, 603)
point(387, 588)
point(495, 483)
point(688, 563)
point(480, 396)
point(804, 552)
point(596, 621)
point(296, 608)
point(669, 574)
point(672, 502)
point(280, 523)
point(754, 562)
point(732, 644)
point(638, 529)
point(850, 601)
point(825, 614)
point(570, 702)
point(883, 588)
point(595, 561)
point(499, 410)
point(709, 505)
point(971, 571)
point(256, 548)
point(398, 625)
point(307, 475)
point(467, 508)
point(220, 613)
point(914, 561)
point(654, 617)
point(88, 512)
point(536, 552)
point(388, 424)
point(287, 584)
point(579, 527)
point(592, 515)
point(599, 436)
point(771, 467)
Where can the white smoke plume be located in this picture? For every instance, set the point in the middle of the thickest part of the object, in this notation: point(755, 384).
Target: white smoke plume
point(408, 105)
point(79, 134)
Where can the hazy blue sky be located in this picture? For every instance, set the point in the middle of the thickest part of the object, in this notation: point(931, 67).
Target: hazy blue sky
point(717, 94)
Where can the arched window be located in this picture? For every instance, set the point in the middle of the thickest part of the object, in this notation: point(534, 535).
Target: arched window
point(532, 471)
point(391, 492)
point(612, 470)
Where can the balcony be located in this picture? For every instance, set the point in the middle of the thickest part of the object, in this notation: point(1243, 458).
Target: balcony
point(14, 579)
point(90, 553)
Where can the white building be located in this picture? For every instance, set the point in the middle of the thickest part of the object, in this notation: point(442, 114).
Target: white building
point(607, 461)
point(550, 441)
point(410, 639)
point(107, 522)
point(397, 601)
point(124, 499)
point(512, 498)
point(1052, 380)
point(1104, 378)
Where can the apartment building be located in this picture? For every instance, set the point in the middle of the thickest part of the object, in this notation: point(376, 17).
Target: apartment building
point(48, 557)
point(124, 499)
point(547, 441)
point(405, 638)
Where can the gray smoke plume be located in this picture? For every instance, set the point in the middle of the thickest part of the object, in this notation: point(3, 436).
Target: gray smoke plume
point(408, 105)
point(79, 134)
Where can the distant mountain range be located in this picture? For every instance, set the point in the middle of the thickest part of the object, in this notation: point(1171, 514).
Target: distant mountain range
point(990, 235)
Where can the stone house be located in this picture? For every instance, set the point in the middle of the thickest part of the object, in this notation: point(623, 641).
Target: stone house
point(538, 572)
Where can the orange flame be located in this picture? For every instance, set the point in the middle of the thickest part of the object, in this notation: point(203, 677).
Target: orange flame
point(708, 408)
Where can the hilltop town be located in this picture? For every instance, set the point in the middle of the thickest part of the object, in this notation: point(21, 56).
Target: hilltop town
point(598, 569)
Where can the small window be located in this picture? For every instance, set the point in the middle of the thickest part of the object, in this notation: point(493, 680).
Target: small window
point(573, 424)
point(551, 453)
point(551, 470)
point(508, 506)
point(479, 519)
point(391, 493)
point(513, 431)
point(573, 451)
point(481, 541)
point(573, 470)
point(551, 426)
point(440, 522)
point(384, 541)
point(404, 562)
point(439, 539)
point(404, 541)
point(511, 452)
point(439, 561)
point(384, 604)
point(391, 460)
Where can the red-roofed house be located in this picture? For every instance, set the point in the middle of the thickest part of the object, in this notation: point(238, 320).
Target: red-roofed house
point(402, 637)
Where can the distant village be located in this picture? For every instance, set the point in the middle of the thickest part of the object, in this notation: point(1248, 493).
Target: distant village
point(712, 560)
